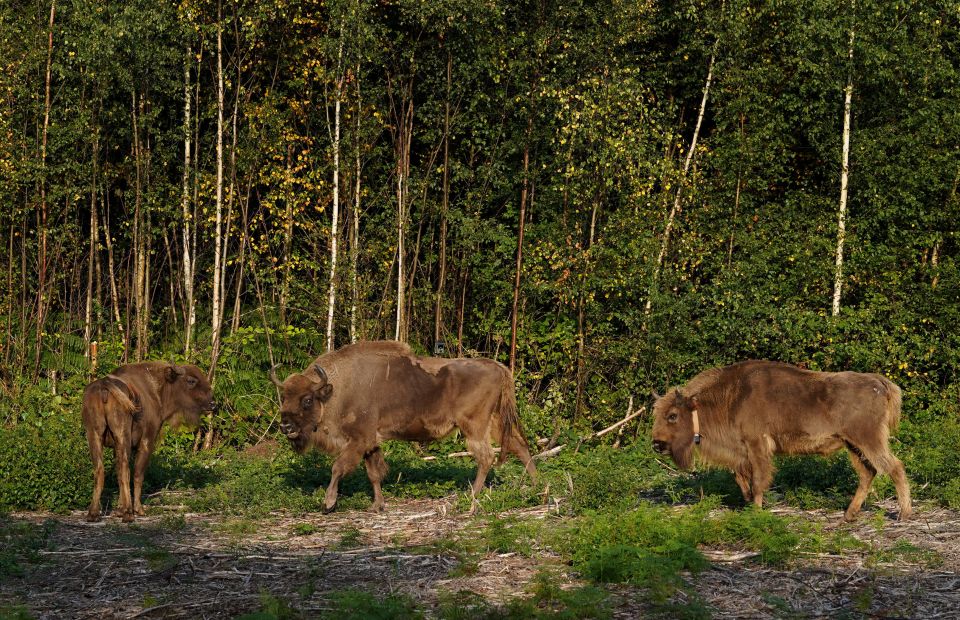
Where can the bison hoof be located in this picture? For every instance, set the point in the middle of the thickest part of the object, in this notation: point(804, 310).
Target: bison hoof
point(905, 514)
point(140, 512)
point(328, 509)
point(93, 517)
point(127, 517)
point(377, 508)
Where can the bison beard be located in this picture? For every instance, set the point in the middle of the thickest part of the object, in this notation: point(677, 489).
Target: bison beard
point(126, 409)
point(750, 411)
point(349, 401)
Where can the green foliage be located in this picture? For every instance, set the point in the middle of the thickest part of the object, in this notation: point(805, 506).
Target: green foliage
point(44, 459)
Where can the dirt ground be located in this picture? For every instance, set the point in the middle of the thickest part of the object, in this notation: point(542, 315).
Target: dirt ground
point(170, 565)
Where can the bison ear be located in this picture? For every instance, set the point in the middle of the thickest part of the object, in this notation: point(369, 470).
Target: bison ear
point(174, 372)
point(323, 393)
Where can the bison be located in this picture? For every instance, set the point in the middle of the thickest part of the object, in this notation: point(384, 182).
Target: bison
point(351, 400)
point(741, 415)
point(126, 409)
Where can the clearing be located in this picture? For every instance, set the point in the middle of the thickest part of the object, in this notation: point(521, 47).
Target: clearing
point(175, 565)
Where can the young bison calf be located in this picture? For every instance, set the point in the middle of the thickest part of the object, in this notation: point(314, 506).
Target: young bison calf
point(125, 411)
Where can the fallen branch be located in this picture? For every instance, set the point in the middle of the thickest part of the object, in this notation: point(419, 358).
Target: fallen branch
point(556, 450)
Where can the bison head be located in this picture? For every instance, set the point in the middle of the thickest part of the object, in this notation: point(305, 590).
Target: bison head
point(673, 427)
point(302, 396)
point(189, 392)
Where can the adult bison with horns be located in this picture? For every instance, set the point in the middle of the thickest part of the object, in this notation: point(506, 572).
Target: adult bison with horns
point(741, 415)
point(349, 401)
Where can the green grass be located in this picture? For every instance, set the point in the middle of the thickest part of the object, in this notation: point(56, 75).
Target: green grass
point(21, 543)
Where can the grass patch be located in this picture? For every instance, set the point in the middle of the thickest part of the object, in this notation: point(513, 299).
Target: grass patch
point(350, 538)
point(21, 542)
point(15, 612)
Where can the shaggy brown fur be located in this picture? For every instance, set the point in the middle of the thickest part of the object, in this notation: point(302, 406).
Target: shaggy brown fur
point(126, 409)
point(752, 410)
point(349, 401)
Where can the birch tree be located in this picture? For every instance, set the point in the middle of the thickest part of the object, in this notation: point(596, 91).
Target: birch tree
point(218, 263)
point(189, 311)
point(340, 77)
point(691, 153)
point(844, 174)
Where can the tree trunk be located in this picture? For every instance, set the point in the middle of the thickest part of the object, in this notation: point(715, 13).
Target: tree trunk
point(442, 276)
point(218, 266)
point(139, 245)
point(189, 310)
point(844, 178)
point(686, 167)
point(335, 223)
point(42, 216)
point(402, 142)
point(520, 230)
point(91, 269)
point(218, 263)
point(355, 229)
point(287, 236)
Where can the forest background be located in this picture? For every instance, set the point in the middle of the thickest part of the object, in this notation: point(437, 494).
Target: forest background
point(607, 196)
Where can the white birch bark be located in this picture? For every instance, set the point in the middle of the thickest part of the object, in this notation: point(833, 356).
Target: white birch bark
point(844, 180)
point(691, 152)
point(355, 230)
point(190, 314)
point(218, 230)
point(335, 223)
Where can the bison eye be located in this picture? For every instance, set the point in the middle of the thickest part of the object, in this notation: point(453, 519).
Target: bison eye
point(307, 402)
point(672, 417)
point(191, 381)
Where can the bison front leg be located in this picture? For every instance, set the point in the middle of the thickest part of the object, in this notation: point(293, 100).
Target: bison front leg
point(743, 473)
point(345, 463)
point(761, 466)
point(483, 454)
point(376, 471)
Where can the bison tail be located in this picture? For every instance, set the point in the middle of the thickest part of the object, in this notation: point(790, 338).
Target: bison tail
point(894, 402)
point(105, 395)
point(511, 438)
point(507, 410)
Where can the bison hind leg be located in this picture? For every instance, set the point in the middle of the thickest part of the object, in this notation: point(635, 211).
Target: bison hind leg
point(95, 441)
point(376, 472)
point(514, 444)
point(867, 472)
point(881, 460)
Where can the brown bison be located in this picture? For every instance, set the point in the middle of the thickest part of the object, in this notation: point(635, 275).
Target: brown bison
point(743, 414)
point(126, 409)
point(349, 401)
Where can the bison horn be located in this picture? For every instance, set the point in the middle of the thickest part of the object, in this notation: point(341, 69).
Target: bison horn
point(655, 394)
point(273, 376)
point(317, 368)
